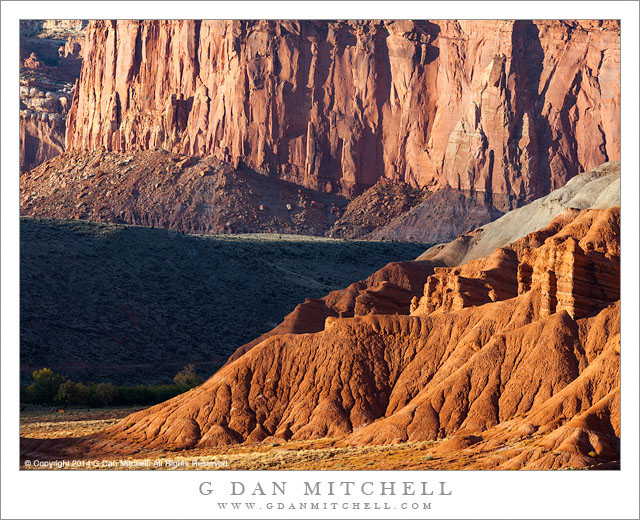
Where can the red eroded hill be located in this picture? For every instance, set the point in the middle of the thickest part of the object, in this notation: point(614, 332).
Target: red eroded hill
point(499, 356)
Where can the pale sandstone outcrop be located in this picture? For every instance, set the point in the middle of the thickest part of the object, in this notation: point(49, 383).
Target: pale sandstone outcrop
point(50, 59)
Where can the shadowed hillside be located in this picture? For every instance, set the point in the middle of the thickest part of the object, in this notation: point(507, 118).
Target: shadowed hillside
point(126, 304)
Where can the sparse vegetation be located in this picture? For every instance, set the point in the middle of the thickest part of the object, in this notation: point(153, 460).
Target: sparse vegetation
point(50, 388)
point(324, 454)
point(188, 377)
point(133, 305)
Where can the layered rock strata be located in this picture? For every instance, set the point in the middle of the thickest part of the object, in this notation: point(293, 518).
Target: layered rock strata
point(599, 188)
point(387, 291)
point(575, 267)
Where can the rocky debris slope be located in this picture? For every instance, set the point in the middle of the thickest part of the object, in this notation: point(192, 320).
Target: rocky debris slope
point(509, 108)
point(596, 189)
point(205, 195)
point(185, 193)
point(50, 61)
point(375, 208)
point(495, 372)
point(53, 29)
point(441, 217)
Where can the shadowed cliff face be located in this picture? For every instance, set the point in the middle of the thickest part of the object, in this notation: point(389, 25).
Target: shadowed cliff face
point(512, 109)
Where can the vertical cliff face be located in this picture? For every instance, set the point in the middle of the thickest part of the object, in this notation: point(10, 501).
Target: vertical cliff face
point(41, 137)
point(513, 109)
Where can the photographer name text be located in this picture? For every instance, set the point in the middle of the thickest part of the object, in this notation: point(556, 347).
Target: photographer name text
point(328, 488)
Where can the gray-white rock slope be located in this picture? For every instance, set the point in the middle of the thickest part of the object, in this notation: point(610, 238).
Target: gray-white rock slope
point(596, 189)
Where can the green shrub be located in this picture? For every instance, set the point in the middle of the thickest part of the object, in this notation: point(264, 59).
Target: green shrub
point(90, 269)
point(50, 388)
point(106, 393)
point(44, 388)
point(71, 393)
point(188, 377)
point(145, 394)
point(92, 395)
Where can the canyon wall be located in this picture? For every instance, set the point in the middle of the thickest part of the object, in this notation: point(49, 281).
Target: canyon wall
point(509, 108)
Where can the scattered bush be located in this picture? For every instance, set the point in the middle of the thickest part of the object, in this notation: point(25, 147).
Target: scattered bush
point(91, 269)
point(146, 394)
point(106, 393)
point(49, 388)
point(188, 377)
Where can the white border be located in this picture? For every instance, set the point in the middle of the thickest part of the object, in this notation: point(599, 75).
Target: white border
point(174, 494)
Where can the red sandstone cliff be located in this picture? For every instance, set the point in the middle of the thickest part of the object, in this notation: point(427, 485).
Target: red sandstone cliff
point(574, 261)
point(510, 108)
point(41, 137)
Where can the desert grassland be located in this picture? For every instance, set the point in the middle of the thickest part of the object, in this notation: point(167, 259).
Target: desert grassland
point(48, 423)
point(133, 305)
point(319, 454)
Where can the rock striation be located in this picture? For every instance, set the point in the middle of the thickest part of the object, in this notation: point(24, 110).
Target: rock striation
point(511, 109)
point(575, 263)
point(514, 356)
point(596, 189)
point(487, 280)
point(389, 290)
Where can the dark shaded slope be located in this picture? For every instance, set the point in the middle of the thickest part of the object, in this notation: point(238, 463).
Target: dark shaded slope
point(131, 304)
